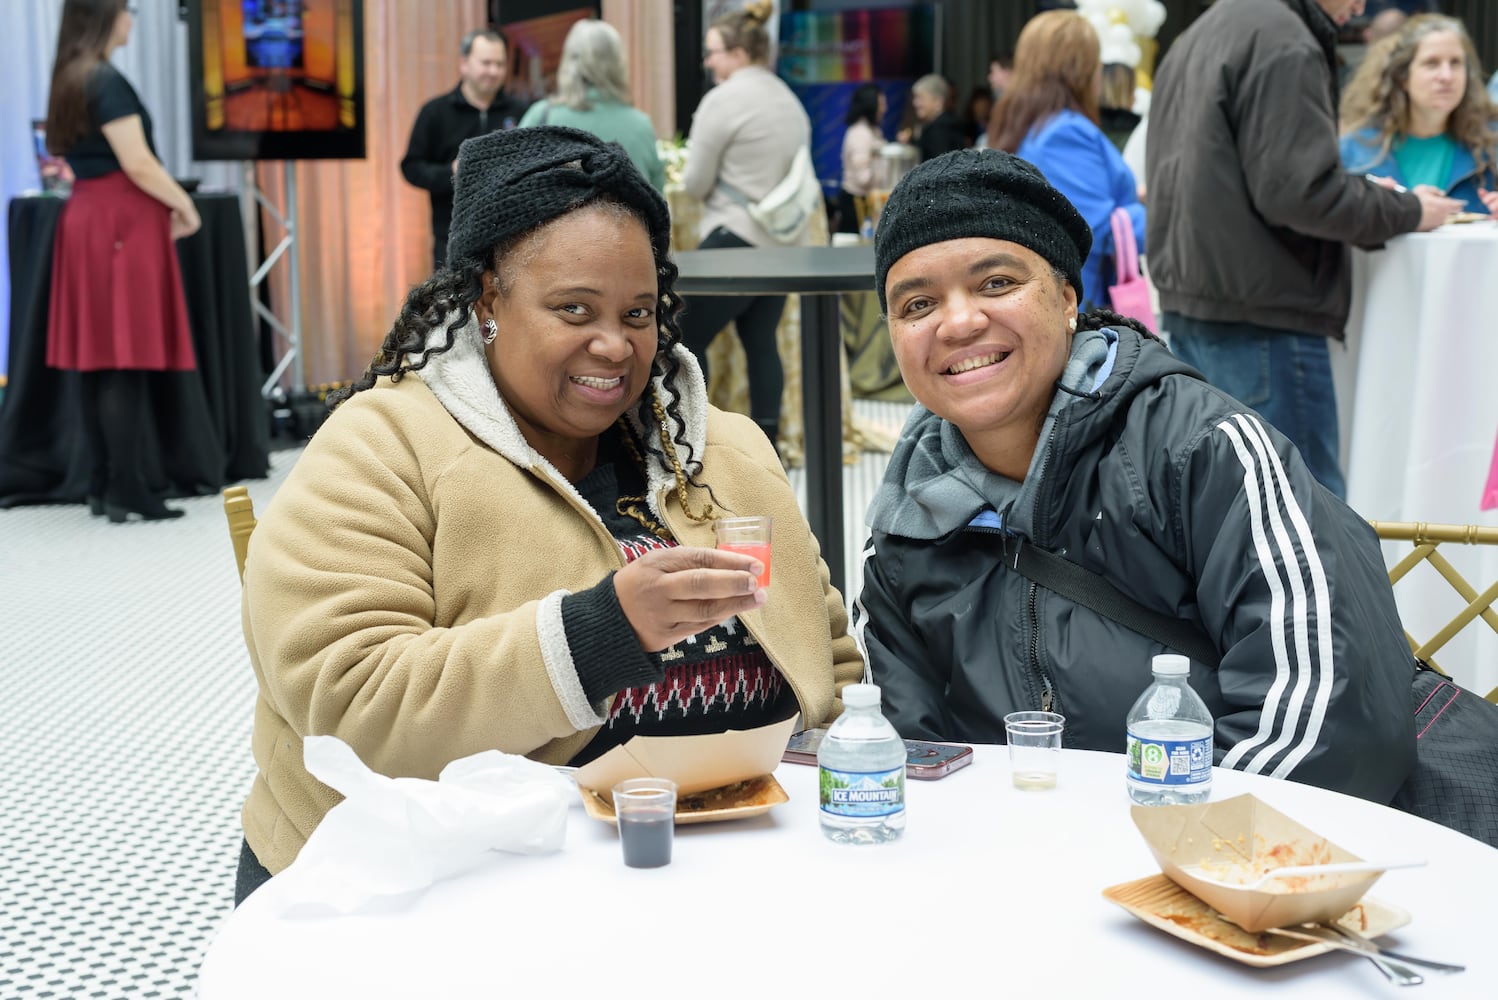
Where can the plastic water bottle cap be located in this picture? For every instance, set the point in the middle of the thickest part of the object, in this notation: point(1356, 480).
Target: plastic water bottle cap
point(861, 695)
point(1166, 663)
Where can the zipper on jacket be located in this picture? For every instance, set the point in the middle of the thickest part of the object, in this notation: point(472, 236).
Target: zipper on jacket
point(1047, 690)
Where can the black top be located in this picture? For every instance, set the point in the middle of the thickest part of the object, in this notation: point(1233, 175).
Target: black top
point(941, 134)
point(110, 97)
point(441, 126)
point(1118, 124)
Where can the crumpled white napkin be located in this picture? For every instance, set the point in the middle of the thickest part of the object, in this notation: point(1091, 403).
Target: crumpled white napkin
point(392, 836)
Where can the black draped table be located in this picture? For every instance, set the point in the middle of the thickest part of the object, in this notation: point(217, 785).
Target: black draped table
point(820, 273)
point(211, 423)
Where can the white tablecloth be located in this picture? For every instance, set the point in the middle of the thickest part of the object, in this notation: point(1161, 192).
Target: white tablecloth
point(991, 892)
point(1418, 398)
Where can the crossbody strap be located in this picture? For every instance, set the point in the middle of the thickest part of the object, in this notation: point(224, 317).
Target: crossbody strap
point(1084, 587)
point(734, 194)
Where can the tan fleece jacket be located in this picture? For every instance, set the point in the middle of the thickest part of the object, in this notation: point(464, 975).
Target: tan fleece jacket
point(403, 590)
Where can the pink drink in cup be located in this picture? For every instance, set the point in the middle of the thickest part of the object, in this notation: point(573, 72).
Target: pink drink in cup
point(749, 535)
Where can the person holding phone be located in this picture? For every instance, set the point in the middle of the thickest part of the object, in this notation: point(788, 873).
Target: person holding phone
point(1415, 114)
point(116, 312)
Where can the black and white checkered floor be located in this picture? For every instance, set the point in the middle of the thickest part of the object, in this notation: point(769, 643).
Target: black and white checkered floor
point(127, 701)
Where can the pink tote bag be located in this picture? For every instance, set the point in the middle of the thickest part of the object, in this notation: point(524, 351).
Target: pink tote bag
point(1131, 295)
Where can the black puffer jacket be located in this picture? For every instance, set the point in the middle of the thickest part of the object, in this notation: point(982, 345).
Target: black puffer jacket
point(1190, 503)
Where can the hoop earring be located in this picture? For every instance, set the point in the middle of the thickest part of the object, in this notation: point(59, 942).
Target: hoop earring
point(491, 330)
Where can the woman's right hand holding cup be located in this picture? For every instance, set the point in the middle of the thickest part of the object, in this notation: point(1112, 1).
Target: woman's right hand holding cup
point(670, 594)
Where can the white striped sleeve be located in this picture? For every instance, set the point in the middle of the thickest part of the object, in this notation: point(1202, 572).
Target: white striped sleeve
point(1299, 621)
point(861, 619)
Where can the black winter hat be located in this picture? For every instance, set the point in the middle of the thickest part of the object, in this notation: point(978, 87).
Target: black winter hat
point(980, 192)
point(514, 181)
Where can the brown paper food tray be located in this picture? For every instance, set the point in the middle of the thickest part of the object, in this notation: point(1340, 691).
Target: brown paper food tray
point(740, 801)
point(1234, 830)
point(695, 763)
point(1161, 903)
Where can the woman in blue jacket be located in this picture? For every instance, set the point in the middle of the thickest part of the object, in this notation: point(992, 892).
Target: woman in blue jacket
point(1049, 116)
point(1416, 113)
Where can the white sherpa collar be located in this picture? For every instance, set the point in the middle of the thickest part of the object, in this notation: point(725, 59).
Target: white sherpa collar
point(461, 381)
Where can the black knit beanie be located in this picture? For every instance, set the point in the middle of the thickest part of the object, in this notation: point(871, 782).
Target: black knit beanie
point(514, 181)
point(980, 192)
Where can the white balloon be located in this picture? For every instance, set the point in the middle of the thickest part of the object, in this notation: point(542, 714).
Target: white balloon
point(1143, 17)
point(1116, 41)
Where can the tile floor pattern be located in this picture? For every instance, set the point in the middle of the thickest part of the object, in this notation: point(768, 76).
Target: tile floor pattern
point(127, 701)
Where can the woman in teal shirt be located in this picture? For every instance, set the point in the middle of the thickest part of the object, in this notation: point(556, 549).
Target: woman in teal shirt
point(593, 95)
point(1416, 113)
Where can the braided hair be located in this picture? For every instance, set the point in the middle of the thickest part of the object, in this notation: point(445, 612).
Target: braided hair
point(1096, 319)
point(446, 293)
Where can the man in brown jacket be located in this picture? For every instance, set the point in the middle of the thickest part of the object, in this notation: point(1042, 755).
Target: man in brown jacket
point(1251, 212)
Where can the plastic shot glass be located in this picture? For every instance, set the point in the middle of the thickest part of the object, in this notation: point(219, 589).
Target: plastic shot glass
point(749, 535)
point(1034, 748)
point(646, 809)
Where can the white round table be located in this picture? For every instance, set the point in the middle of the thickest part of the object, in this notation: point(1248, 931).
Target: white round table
point(1419, 413)
point(991, 891)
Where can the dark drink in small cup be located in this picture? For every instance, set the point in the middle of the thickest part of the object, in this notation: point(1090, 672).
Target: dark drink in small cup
point(646, 810)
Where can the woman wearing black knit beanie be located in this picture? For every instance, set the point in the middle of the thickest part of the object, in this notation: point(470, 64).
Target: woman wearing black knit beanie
point(502, 536)
point(1044, 433)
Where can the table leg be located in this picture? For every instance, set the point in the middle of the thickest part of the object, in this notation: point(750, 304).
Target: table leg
point(822, 412)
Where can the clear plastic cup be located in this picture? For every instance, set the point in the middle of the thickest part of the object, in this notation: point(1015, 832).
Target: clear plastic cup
point(749, 535)
point(646, 810)
point(1034, 748)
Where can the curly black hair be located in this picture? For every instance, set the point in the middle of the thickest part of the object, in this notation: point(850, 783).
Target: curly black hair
point(452, 293)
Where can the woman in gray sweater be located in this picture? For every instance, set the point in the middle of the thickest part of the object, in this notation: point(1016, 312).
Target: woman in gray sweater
point(745, 133)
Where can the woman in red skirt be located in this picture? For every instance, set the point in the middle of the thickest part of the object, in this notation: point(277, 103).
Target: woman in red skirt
point(117, 310)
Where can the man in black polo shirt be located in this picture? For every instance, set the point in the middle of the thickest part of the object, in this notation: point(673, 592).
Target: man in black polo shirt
point(477, 105)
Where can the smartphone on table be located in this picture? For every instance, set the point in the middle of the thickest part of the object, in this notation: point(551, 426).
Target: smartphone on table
point(924, 760)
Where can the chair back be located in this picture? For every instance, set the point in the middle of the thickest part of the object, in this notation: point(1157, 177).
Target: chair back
point(1426, 539)
point(239, 509)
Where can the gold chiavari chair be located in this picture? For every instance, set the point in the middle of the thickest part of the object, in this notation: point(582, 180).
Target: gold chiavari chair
point(1426, 539)
point(239, 509)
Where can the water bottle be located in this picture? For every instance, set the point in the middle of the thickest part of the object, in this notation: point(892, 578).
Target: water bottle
point(866, 231)
point(861, 765)
point(1170, 739)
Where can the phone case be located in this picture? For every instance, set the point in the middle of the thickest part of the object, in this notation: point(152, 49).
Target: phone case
point(924, 761)
point(802, 748)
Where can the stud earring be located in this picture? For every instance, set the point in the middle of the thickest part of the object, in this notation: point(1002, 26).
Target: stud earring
point(1071, 324)
point(491, 330)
